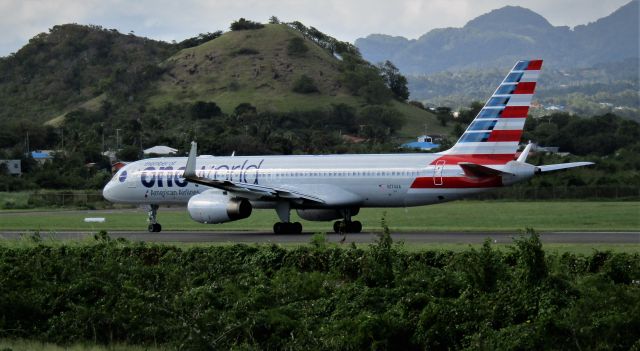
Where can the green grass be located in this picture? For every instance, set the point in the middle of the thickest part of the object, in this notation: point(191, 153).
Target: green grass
point(16, 199)
point(27, 241)
point(469, 216)
point(32, 345)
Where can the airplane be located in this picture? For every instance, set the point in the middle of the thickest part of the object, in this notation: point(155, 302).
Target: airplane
point(336, 187)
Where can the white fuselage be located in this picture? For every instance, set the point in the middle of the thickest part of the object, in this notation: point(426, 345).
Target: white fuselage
point(376, 180)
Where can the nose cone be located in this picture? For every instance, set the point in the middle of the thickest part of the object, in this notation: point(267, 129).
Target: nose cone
point(109, 192)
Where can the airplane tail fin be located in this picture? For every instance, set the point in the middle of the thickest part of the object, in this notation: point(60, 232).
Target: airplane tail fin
point(495, 132)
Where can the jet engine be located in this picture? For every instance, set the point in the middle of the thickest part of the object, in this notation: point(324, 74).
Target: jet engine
point(215, 207)
point(323, 214)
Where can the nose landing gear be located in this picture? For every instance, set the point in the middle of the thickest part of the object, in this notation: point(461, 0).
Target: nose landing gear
point(154, 226)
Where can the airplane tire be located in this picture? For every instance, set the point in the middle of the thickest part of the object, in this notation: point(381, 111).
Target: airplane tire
point(151, 228)
point(287, 228)
point(158, 227)
point(336, 226)
point(355, 227)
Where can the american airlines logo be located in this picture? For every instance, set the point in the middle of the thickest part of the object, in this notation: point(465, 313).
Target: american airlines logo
point(167, 176)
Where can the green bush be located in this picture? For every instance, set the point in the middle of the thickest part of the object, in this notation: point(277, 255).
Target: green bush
point(318, 297)
point(304, 85)
point(245, 51)
point(296, 47)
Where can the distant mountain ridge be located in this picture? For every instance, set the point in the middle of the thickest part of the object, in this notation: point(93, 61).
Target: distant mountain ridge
point(500, 37)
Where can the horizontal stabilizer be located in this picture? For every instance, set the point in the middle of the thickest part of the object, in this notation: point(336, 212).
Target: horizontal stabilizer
point(560, 166)
point(476, 170)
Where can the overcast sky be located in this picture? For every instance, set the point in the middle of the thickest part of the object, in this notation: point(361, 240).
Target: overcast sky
point(344, 19)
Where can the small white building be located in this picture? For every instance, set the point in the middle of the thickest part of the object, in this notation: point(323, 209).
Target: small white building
point(14, 167)
point(160, 150)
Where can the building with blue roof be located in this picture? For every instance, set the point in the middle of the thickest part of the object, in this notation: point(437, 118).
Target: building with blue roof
point(424, 142)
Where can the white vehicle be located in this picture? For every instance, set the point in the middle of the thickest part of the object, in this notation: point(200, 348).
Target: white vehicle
point(335, 187)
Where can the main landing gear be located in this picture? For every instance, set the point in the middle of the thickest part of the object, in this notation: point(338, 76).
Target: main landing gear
point(285, 226)
point(154, 226)
point(347, 225)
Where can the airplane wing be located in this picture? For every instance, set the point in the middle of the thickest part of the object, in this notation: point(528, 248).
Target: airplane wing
point(559, 166)
point(324, 194)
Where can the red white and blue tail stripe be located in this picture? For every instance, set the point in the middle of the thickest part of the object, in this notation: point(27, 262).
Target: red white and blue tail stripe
point(494, 135)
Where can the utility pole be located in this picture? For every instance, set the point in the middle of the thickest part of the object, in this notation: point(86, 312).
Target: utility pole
point(102, 128)
point(117, 139)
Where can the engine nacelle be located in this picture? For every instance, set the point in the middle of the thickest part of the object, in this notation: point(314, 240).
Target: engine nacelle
point(215, 207)
point(314, 214)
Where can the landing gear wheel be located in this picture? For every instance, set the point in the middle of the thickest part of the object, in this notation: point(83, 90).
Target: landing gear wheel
point(347, 227)
point(355, 227)
point(287, 228)
point(154, 228)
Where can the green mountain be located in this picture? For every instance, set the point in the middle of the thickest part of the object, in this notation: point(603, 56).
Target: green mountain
point(604, 88)
point(77, 77)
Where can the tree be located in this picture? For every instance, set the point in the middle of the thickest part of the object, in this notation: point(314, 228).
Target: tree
point(394, 80)
point(129, 153)
point(467, 115)
point(244, 24)
point(457, 131)
point(205, 110)
point(244, 108)
point(274, 20)
point(444, 115)
point(201, 38)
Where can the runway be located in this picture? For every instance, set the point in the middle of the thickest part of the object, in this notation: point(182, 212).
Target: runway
point(418, 238)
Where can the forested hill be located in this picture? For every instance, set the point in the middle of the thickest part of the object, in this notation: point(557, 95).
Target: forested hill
point(72, 64)
point(500, 37)
point(258, 88)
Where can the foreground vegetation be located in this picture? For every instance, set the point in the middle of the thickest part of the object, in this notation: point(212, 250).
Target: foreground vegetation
point(453, 216)
point(320, 297)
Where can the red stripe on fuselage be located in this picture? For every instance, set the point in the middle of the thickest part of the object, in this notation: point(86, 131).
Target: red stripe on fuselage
point(515, 111)
point(480, 159)
point(457, 182)
point(534, 65)
point(525, 88)
point(505, 135)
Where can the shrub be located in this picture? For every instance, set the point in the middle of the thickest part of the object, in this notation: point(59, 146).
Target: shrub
point(297, 47)
point(245, 51)
point(304, 85)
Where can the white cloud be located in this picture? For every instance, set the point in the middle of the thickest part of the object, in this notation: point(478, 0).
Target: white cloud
point(347, 20)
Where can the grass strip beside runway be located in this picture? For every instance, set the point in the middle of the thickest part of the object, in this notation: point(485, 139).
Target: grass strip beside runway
point(455, 216)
